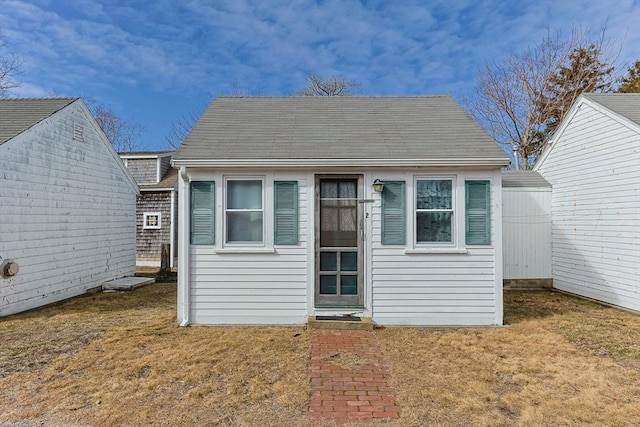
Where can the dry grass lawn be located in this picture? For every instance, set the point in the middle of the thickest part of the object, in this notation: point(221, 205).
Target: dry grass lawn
point(117, 359)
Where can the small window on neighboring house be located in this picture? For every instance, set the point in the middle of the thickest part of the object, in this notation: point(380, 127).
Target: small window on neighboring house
point(151, 220)
point(78, 132)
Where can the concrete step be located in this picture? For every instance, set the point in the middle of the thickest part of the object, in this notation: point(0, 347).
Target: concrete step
point(340, 322)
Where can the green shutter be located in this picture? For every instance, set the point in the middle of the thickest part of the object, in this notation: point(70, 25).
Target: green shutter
point(394, 213)
point(478, 212)
point(203, 222)
point(286, 212)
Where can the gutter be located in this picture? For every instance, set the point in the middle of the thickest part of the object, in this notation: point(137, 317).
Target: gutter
point(305, 163)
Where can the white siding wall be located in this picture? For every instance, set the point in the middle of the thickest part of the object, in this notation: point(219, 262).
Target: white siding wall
point(67, 213)
point(594, 168)
point(251, 289)
point(438, 288)
point(400, 288)
point(526, 233)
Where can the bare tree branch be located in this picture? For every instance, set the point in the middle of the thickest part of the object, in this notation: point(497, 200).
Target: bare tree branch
point(10, 68)
point(123, 134)
point(520, 100)
point(333, 86)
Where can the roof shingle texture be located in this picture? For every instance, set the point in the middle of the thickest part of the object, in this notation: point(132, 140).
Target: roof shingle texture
point(625, 104)
point(521, 179)
point(419, 127)
point(19, 114)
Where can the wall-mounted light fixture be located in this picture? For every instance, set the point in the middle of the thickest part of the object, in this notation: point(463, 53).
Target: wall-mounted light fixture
point(378, 186)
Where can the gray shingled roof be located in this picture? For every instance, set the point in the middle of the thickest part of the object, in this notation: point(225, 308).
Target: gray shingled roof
point(19, 114)
point(518, 179)
point(350, 128)
point(625, 104)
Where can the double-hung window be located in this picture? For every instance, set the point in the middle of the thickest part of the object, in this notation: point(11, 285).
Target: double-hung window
point(434, 204)
point(244, 210)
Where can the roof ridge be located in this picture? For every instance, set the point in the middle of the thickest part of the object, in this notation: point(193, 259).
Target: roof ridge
point(327, 97)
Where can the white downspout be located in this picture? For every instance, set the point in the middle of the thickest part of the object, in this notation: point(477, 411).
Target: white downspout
point(172, 233)
point(183, 247)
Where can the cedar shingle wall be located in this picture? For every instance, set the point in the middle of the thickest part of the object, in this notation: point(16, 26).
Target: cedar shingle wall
point(165, 165)
point(143, 170)
point(148, 241)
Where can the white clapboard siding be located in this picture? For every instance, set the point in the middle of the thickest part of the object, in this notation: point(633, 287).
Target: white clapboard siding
point(67, 212)
point(594, 167)
point(433, 289)
point(526, 233)
point(252, 289)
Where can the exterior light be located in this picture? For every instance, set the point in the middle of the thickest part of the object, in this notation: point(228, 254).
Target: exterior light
point(378, 186)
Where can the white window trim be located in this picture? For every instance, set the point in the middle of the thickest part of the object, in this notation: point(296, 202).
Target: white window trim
point(145, 217)
point(456, 246)
point(267, 241)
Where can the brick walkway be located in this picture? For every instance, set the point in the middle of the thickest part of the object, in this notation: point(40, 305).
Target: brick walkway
point(349, 381)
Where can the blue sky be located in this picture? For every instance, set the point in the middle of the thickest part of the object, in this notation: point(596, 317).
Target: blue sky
point(155, 61)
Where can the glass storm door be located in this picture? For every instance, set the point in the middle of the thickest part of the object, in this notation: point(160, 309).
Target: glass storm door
point(339, 228)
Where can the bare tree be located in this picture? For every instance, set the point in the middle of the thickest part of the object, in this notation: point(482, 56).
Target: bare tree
point(10, 68)
point(332, 86)
point(520, 100)
point(181, 128)
point(123, 134)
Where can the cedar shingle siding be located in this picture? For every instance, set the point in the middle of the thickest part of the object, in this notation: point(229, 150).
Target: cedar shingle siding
point(149, 241)
point(143, 170)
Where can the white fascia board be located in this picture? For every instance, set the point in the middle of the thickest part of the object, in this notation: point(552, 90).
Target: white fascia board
point(157, 189)
point(306, 163)
point(145, 156)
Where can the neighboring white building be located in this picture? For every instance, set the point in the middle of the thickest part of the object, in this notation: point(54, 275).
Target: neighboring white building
point(526, 229)
point(593, 164)
point(67, 204)
point(281, 218)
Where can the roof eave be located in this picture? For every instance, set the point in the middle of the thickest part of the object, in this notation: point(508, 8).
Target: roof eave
point(306, 163)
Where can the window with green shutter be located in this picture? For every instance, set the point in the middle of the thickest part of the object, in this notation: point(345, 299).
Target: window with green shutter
point(478, 212)
point(285, 212)
point(393, 213)
point(202, 213)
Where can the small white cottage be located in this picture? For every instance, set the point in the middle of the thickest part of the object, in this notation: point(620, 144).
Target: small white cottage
point(387, 208)
point(67, 204)
point(593, 164)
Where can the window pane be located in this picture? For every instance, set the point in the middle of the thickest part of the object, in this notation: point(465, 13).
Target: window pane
point(328, 285)
point(328, 261)
point(433, 226)
point(328, 190)
point(347, 190)
point(349, 285)
point(244, 194)
point(349, 261)
point(338, 223)
point(433, 194)
point(244, 226)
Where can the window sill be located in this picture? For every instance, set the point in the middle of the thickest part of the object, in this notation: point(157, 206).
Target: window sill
point(244, 251)
point(436, 251)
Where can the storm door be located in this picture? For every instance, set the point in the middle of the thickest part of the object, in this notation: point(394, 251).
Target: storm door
point(339, 243)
